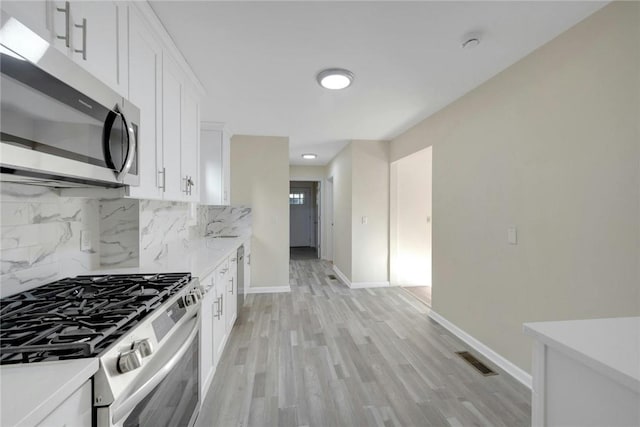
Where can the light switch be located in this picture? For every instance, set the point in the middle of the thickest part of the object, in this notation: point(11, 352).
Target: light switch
point(85, 240)
point(365, 220)
point(512, 235)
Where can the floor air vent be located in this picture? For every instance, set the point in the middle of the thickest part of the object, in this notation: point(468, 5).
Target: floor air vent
point(480, 367)
point(332, 277)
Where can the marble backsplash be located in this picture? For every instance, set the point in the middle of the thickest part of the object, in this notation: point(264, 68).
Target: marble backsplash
point(40, 239)
point(41, 233)
point(119, 231)
point(223, 220)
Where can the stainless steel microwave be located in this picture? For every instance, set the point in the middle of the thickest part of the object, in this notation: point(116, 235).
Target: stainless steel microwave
point(60, 126)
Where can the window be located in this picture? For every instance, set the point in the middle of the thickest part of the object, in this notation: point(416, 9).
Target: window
point(296, 198)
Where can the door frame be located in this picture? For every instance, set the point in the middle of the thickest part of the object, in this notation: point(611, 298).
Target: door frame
point(324, 251)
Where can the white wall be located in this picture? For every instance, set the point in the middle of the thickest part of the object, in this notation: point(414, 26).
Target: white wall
point(260, 180)
point(550, 145)
point(410, 233)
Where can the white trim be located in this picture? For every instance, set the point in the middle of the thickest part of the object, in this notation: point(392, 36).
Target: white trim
point(358, 285)
point(511, 369)
point(362, 285)
point(341, 275)
point(267, 289)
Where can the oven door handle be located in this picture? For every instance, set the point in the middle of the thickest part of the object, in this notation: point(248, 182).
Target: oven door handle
point(122, 409)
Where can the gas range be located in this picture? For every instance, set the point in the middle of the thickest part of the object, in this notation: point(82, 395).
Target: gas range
point(141, 327)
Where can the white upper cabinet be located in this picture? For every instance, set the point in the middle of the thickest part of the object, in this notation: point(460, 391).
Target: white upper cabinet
point(145, 91)
point(92, 33)
point(172, 87)
point(34, 14)
point(190, 145)
point(214, 164)
point(99, 42)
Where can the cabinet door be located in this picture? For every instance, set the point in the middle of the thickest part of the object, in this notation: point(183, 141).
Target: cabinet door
point(171, 121)
point(145, 90)
point(37, 15)
point(99, 42)
point(190, 143)
point(219, 324)
point(74, 411)
point(247, 265)
point(211, 167)
point(232, 293)
point(206, 337)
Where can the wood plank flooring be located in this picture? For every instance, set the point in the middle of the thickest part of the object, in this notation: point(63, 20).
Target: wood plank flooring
point(325, 355)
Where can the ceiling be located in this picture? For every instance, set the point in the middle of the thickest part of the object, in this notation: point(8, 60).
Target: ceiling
point(258, 61)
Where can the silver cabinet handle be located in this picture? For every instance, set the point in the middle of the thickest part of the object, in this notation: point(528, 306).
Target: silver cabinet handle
point(221, 305)
point(83, 51)
point(163, 172)
point(67, 14)
point(217, 301)
point(231, 291)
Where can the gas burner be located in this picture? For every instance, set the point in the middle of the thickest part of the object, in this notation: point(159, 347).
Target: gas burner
point(79, 317)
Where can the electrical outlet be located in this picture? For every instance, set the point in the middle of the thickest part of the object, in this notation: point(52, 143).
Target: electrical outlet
point(365, 220)
point(512, 235)
point(85, 240)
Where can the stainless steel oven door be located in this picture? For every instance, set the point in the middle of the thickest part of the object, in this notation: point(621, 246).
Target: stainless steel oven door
point(167, 393)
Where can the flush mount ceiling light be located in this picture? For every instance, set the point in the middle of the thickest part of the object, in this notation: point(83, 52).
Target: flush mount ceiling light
point(309, 156)
point(335, 78)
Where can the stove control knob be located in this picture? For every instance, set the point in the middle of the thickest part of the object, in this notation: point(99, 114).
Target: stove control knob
point(189, 299)
point(143, 346)
point(129, 360)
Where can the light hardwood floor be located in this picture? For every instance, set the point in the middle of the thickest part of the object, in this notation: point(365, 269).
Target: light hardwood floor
point(325, 355)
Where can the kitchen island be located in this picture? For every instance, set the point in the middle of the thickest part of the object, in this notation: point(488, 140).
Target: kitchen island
point(586, 372)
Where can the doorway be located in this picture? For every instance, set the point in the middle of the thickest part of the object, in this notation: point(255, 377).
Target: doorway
point(304, 219)
point(411, 212)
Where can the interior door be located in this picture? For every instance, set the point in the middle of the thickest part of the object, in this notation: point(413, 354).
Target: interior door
point(300, 213)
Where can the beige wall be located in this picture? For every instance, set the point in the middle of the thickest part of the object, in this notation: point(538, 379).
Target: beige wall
point(340, 172)
point(307, 173)
point(370, 241)
point(360, 176)
point(410, 224)
point(260, 179)
point(550, 145)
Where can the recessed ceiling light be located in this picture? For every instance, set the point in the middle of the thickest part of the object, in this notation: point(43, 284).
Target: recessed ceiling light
point(309, 156)
point(335, 78)
point(470, 43)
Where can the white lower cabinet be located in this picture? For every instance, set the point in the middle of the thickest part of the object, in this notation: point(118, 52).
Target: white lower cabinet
point(232, 293)
point(206, 336)
point(75, 411)
point(219, 323)
point(218, 314)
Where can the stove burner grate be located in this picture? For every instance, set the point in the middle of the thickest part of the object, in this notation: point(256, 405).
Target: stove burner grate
point(79, 317)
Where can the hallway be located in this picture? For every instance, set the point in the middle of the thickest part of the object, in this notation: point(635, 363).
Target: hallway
point(326, 355)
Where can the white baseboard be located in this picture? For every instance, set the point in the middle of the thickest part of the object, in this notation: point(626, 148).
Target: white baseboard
point(341, 275)
point(362, 285)
point(511, 369)
point(358, 285)
point(267, 289)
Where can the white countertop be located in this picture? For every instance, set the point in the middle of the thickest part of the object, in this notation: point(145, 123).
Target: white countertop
point(611, 346)
point(31, 392)
point(198, 257)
